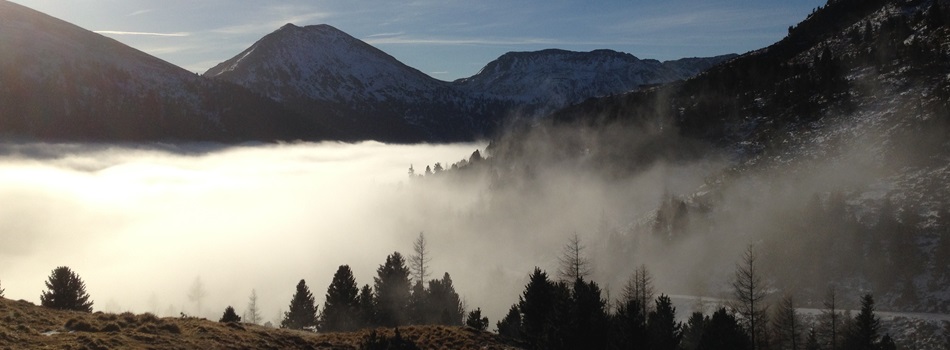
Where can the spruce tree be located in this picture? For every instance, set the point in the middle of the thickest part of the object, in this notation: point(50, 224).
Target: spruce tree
point(693, 331)
point(536, 304)
point(229, 315)
point(588, 317)
point(418, 304)
point(340, 309)
point(366, 307)
point(443, 304)
point(811, 342)
point(476, 320)
point(664, 332)
point(863, 331)
point(392, 291)
point(629, 325)
point(510, 326)
point(303, 310)
point(66, 291)
point(723, 332)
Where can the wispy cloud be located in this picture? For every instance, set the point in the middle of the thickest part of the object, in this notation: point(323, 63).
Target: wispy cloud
point(120, 32)
point(406, 40)
point(140, 12)
point(378, 35)
point(271, 25)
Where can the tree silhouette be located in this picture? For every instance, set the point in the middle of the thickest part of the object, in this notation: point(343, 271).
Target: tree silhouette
point(510, 326)
point(366, 307)
point(392, 291)
point(443, 304)
point(863, 331)
point(693, 331)
point(229, 315)
point(830, 320)
point(665, 332)
point(750, 293)
point(476, 321)
point(1, 291)
point(572, 264)
point(342, 302)
point(723, 332)
point(66, 291)
point(786, 326)
point(588, 317)
point(253, 314)
point(640, 288)
point(419, 261)
point(303, 310)
point(536, 305)
point(630, 324)
point(197, 293)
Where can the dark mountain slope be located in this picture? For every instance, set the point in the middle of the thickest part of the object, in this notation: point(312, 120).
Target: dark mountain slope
point(61, 82)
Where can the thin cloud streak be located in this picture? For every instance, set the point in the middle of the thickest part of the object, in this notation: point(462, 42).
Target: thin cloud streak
point(119, 32)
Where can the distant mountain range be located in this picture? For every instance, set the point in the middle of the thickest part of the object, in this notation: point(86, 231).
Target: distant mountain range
point(62, 82)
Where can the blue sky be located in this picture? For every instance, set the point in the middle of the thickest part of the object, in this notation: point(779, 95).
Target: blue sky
point(447, 39)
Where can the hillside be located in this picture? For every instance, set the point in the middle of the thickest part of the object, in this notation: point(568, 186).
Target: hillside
point(832, 147)
point(26, 326)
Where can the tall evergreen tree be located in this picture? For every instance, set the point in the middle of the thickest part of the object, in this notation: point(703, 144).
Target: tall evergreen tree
point(303, 309)
point(588, 317)
point(253, 314)
point(66, 291)
point(536, 303)
point(786, 326)
point(443, 304)
point(811, 341)
point(749, 292)
point(629, 325)
point(693, 331)
point(665, 332)
point(197, 293)
point(340, 309)
point(392, 291)
point(418, 304)
point(366, 307)
point(510, 326)
point(863, 332)
point(229, 315)
point(723, 332)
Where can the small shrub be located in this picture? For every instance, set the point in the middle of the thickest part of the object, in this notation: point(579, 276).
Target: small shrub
point(149, 317)
point(170, 328)
point(79, 325)
point(111, 327)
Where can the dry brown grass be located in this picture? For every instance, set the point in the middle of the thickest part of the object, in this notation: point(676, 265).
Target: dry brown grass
point(27, 326)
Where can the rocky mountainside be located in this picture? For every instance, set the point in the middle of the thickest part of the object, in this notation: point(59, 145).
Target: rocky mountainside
point(543, 81)
point(835, 141)
point(59, 81)
point(321, 71)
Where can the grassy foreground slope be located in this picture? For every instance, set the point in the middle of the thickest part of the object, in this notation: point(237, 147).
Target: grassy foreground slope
point(24, 325)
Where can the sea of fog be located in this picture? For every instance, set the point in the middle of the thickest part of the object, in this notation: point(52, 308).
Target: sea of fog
point(141, 223)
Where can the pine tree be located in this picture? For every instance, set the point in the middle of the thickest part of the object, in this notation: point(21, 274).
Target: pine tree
point(66, 291)
point(863, 332)
point(253, 314)
point(723, 332)
point(536, 304)
point(629, 325)
point(665, 332)
point(392, 291)
point(588, 317)
point(693, 331)
point(811, 343)
point(229, 315)
point(476, 320)
point(510, 326)
point(786, 326)
point(443, 304)
point(340, 309)
point(366, 307)
point(418, 304)
point(573, 265)
point(750, 293)
point(303, 309)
